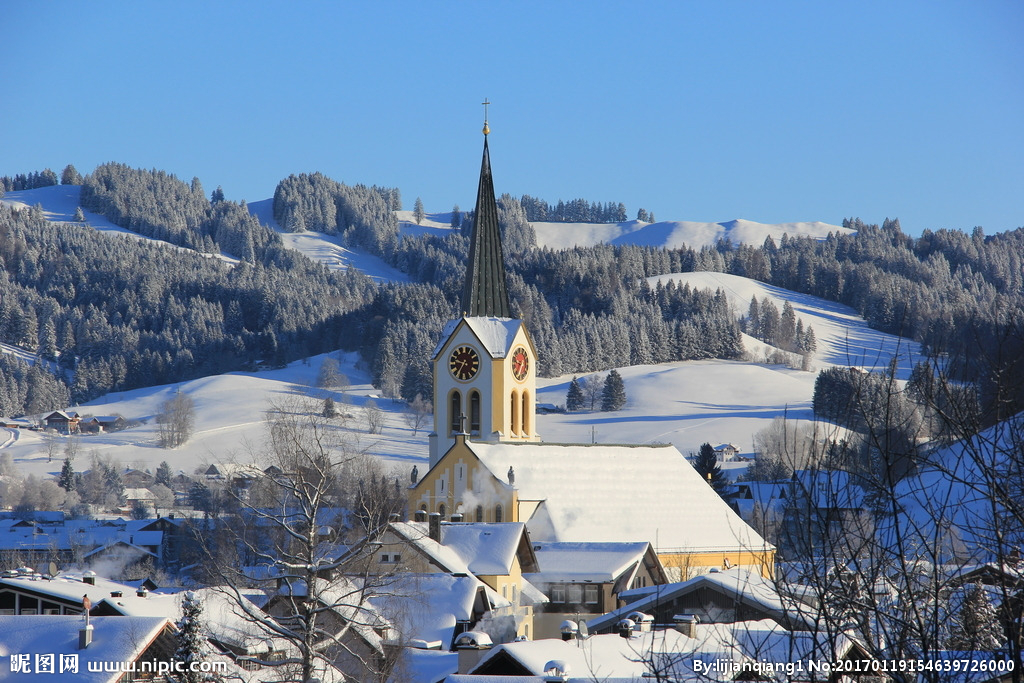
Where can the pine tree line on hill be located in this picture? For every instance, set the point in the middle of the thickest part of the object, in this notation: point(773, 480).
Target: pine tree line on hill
point(122, 313)
point(573, 211)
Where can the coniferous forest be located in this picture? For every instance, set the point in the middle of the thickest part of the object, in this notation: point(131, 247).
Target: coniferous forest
point(118, 313)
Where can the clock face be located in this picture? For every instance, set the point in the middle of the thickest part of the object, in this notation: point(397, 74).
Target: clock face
point(520, 363)
point(464, 363)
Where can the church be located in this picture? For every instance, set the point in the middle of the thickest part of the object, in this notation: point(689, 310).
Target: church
point(489, 464)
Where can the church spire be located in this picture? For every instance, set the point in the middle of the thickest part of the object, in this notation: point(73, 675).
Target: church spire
point(485, 293)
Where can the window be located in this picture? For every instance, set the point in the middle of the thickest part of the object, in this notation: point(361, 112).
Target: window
point(479, 513)
point(575, 594)
point(497, 513)
point(558, 593)
point(525, 414)
point(474, 412)
point(514, 595)
point(455, 413)
point(515, 413)
point(590, 595)
point(442, 509)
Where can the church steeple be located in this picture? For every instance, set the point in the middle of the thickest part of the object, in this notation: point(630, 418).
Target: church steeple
point(485, 293)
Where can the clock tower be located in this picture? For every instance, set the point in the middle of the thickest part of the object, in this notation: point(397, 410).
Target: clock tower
point(485, 367)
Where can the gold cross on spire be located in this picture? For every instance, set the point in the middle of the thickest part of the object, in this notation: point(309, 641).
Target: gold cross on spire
point(487, 129)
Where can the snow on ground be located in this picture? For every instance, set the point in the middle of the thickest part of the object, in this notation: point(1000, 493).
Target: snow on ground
point(684, 403)
point(843, 337)
point(326, 249)
point(674, 234)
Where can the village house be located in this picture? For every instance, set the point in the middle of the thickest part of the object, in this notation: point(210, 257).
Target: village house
point(585, 580)
point(61, 421)
point(497, 555)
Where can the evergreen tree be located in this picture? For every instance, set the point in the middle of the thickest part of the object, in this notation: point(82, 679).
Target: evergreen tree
point(79, 215)
point(191, 639)
point(706, 464)
point(67, 480)
point(417, 211)
point(613, 396)
point(574, 397)
point(456, 217)
point(70, 176)
point(976, 626)
point(330, 410)
point(163, 474)
point(217, 195)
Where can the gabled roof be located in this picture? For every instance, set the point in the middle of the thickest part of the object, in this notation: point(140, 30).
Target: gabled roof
point(429, 606)
point(610, 657)
point(744, 586)
point(472, 547)
point(581, 562)
point(619, 493)
point(115, 639)
point(496, 334)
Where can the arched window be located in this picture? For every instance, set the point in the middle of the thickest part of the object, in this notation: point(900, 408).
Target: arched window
point(497, 513)
point(474, 412)
point(455, 413)
point(525, 431)
point(479, 513)
point(515, 412)
point(442, 510)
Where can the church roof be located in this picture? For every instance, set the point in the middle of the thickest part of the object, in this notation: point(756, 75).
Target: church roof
point(485, 292)
point(496, 334)
point(619, 493)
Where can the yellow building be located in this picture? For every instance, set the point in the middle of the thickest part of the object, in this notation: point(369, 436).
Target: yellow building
point(487, 461)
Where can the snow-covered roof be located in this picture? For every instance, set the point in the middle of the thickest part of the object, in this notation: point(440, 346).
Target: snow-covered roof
point(480, 548)
point(578, 562)
point(496, 334)
point(115, 639)
point(70, 587)
point(427, 606)
point(612, 658)
point(746, 586)
point(603, 492)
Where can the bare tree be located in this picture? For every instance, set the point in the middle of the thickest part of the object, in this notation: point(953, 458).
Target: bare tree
point(374, 417)
point(176, 419)
point(419, 410)
point(284, 541)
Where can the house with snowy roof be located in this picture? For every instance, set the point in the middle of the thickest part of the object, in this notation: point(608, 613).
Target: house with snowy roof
point(498, 555)
point(717, 597)
point(489, 464)
point(750, 650)
point(38, 647)
point(585, 580)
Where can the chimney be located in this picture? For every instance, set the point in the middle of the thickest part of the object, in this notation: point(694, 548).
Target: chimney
point(434, 526)
point(394, 517)
point(569, 629)
point(457, 517)
point(556, 671)
point(89, 578)
point(142, 593)
point(471, 646)
point(420, 516)
point(643, 622)
point(625, 627)
point(687, 624)
point(85, 636)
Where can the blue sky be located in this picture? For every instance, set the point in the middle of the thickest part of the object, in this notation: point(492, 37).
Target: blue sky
point(706, 111)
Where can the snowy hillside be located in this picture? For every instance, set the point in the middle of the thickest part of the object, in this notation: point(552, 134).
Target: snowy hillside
point(683, 403)
point(674, 234)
